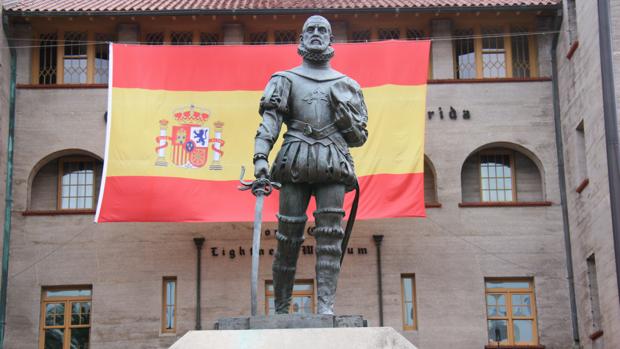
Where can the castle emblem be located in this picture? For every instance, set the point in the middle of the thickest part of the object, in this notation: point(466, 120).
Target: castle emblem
point(191, 140)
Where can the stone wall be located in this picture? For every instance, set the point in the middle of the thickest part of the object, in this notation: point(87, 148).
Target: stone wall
point(589, 211)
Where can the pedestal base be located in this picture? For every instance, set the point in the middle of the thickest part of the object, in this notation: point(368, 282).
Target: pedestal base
point(282, 321)
point(304, 338)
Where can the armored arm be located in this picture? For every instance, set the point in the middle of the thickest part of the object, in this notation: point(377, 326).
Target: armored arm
point(273, 107)
point(351, 114)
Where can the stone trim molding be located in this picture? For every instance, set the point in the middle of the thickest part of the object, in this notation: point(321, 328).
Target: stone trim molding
point(506, 204)
point(58, 212)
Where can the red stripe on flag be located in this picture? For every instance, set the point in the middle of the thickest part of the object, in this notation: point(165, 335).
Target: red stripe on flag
point(165, 199)
point(248, 67)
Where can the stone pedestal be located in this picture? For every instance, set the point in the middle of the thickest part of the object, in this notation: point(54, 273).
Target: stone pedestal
point(300, 338)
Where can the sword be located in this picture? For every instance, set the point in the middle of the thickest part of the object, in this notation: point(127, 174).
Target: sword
point(260, 187)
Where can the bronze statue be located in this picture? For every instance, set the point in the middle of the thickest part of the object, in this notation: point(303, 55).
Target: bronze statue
point(325, 114)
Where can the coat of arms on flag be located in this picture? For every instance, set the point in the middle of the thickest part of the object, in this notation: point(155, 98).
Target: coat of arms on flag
point(189, 138)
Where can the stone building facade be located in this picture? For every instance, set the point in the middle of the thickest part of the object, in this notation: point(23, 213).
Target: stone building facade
point(481, 266)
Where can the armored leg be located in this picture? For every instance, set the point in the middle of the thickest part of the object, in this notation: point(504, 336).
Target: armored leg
point(328, 234)
point(291, 223)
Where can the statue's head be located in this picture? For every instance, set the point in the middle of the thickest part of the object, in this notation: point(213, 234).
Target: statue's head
point(316, 39)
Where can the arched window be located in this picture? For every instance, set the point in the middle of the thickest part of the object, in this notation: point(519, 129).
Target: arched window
point(66, 182)
point(497, 174)
point(430, 183)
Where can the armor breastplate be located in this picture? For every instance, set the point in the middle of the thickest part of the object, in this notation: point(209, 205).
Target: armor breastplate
point(310, 101)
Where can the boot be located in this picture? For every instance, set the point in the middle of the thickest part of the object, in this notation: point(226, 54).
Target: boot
point(328, 234)
point(290, 237)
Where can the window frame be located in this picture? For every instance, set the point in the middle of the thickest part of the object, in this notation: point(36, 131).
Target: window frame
point(164, 304)
point(61, 162)
point(513, 173)
point(477, 29)
point(508, 292)
point(414, 327)
point(312, 293)
point(68, 301)
point(91, 52)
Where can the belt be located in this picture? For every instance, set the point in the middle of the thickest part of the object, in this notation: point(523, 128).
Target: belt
point(310, 131)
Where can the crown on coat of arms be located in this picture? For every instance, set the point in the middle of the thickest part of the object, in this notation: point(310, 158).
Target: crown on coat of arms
point(191, 115)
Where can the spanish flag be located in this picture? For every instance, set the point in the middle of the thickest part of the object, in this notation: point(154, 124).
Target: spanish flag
point(182, 120)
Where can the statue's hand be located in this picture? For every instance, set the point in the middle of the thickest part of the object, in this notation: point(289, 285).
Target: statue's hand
point(342, 120)
point(261, 168)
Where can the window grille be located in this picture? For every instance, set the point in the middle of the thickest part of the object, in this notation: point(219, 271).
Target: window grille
point(76, 184)
point(493, 53)
point(465, 54)
point(496, 175)
point(388, 33)
point(361, 36)
point(48, 58)
point(259, 38)
point(285, 37)
point(415, 34)
point(154, 38)
point(75, 58)
point(520, 53)
point(181, 38)
point(209, 38)
point(102, 57)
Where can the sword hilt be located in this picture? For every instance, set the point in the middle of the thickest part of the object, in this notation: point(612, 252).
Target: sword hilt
point(261, 186)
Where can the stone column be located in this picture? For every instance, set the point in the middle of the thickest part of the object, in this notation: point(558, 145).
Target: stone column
point(128, 33)
point(442, 53)
point(22, 32)
point(233, 34)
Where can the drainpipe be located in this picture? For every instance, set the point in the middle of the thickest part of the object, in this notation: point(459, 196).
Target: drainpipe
point(378, 239)
point(557, 118)
point(611, 126)
point(6, 236)
point(198, 242)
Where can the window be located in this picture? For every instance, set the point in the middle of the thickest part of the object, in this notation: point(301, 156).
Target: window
point(496, 177)
point(209, 38)
point(156, 38)
point(595, 305)
point(169, 305)
point(490, 52)
point(360, 36)
point(181, 38)
point(285, 37)
point(430, 187)
point(581, 164)
point(571, 9)
point(414, 34)
point(65, 318)
point(410, 321)
point(388, 33)
point(76, 184)
point(302, 301)
point(511, 312)
point(71, 57)
point(259, 38)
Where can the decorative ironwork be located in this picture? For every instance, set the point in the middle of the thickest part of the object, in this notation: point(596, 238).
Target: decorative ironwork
point(465, 54)
point(209, 38)
point(520, 53)
point(48, 58)
point(181, 38)
point(415, 34)
point(154, 38)
point(388, 33)
point(361, 36)
point(75, 57)
point(259, 38)
point(285, 37)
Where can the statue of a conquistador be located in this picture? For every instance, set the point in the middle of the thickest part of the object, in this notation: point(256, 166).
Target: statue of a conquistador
point(325, 114)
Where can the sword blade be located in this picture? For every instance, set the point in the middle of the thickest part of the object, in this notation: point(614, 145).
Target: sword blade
point(258, 217)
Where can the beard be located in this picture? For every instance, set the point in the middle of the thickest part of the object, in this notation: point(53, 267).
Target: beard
point(315, 57)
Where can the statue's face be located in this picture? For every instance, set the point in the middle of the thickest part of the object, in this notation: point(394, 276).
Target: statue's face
point(317, 34)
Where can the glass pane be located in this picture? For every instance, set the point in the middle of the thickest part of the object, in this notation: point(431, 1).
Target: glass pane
point(485, 183)
point(521, 305)
point(68, 293)
point(508, 284)
point(88, 203)
point(170, 317)
point(79, 338)
point(54, 338)
point(170, 285)
point(269, 287)
point(301, 305)
point(55, 314)
point(408, 289)
point(272, 306)
point(303, 287)
point(523, 331)
point(65, 203)
point(80, 313)
point(80, 203)
point(409, 314)
point(498, 331)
